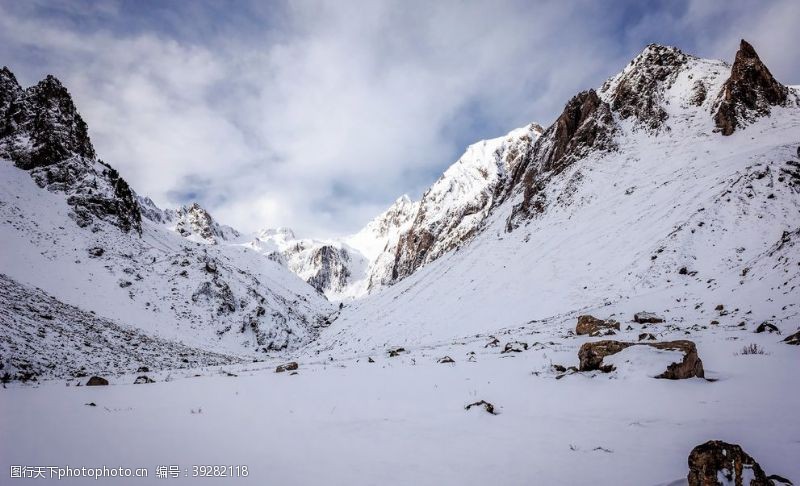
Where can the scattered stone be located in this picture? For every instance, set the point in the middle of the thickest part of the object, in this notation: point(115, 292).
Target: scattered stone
point(97, 381)
point(370, 360)
point(493, 342)
point(143, 369)
point(96, 251)
point(591, 357)
point(90, 404)
point(647, 336)
point(291, 366)
point(683, 271)
point(767, 327)
point(593, 326)
point(717, 461)
point(515, 347)
point(142, 380)
point(486, 406)
point(559, 368)
point(396, 352)
point(793, 339)
point(446, 359)
point(719, 307)
point(647, 318)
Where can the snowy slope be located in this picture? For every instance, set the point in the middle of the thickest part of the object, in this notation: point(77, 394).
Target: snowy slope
point(73, 228)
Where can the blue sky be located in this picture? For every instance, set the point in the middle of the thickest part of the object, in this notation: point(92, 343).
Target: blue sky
point(317, 114)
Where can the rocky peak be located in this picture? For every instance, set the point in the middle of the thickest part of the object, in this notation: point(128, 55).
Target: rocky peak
point(748, 93)
point(585, 125)
point(42, 132)
point(10, 92)
point(455, 207)
point(194, 222)
point(638, 91)
point(331, 271)
point(41, 125)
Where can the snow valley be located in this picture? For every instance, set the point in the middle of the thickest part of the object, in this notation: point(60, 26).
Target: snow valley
point(617, 291)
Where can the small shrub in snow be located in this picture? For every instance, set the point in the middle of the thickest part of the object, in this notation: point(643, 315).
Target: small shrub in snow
point(753, 348)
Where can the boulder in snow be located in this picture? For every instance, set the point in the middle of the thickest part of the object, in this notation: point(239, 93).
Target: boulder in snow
point(591, 357)
point(97, 381)
point(718, 462)
point(593, 326)
point(291, 366)
point(647, 318)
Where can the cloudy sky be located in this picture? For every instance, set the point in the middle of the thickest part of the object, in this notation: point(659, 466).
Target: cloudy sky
point(318, 114)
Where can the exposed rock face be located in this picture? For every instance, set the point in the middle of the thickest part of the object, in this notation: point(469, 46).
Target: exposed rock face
point(585, 125)
point(332, 268)
point(41, 131)
point(714, 461)
point(591, 357)
point(40, 125)
point(638, 91)
point(593, 326)
point(194, 221)
point(748, 93)
point(455, 207)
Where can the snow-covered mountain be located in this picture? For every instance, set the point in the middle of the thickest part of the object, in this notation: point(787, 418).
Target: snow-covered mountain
point(73, 233)
point(637, 196)
point(342, 268)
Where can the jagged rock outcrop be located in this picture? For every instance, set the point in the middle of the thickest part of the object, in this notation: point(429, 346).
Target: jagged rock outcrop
point(331, 268)
point(716, 461)
point(455, 207)
point(748, 93)
point(591, 357)
point(585, 125)
point(41, 131)
point(194, 220)
point(638, 91)
point(40, 124)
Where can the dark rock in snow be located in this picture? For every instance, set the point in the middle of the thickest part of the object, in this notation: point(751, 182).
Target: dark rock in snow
point(647, 318)
point(647, 336)
point(97, 381)
point(446, 359)
point(793, 339)
point(716, 461)
point(749, 92)
point(144, 379)
point(767, 327)
point(515, 347)
point(482, 403)
point(96, 251)
point(291, 366)
point(394, 352)
point(592, 326)
point(591, 357)
point(143, 369)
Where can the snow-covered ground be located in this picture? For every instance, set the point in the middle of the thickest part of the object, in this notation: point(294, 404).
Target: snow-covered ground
point(401, 420)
